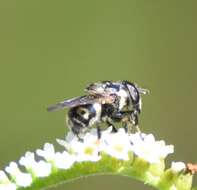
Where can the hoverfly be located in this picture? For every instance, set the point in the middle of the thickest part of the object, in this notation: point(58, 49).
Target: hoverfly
point(106, 102)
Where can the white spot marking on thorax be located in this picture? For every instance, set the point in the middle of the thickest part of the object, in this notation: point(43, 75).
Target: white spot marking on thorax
point(123, 98)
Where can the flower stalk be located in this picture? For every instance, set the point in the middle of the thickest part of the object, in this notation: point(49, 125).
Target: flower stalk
point(138, 156)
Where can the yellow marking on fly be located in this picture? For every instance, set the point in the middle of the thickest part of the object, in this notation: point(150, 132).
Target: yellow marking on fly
point(84, 112)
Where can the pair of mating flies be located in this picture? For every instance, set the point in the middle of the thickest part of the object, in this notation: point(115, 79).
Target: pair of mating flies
point(105, 102)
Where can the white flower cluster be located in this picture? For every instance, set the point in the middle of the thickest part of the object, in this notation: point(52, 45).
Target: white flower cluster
point(117, 145)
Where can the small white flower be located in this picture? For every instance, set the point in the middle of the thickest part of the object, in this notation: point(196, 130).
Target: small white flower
point(60, 160)
point(8, 186)
point(22, 179)
point(70, 136)
point(65, 144)
point(87, 150)
point(64, 160)
point(178, 166)
point(28, 160)
point(39, 169)
point(42, 169)
point(173, 187)
point(5, 183)
point(116, 144)
point(3, 177)
point(48, 152)
point(148, 149)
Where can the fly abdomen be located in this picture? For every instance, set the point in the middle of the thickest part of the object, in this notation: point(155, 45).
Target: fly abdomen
point(81, 117)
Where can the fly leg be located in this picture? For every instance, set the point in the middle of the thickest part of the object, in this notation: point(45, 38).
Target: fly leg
point(110, 124)
point(79, 138)
point(135, 121)
point(98, 129)
point(129, 118)
point(98, 132)
point(125, 118)
point(125, 126)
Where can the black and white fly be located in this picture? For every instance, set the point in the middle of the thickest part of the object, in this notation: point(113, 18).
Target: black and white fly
point(106, 102)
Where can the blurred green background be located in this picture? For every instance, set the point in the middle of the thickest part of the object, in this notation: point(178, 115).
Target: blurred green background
point(50, 50)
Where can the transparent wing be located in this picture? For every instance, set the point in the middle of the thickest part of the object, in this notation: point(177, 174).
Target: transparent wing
point(82, 100)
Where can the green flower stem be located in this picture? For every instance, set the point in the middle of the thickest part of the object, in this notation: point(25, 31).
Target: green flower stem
point(151, 174)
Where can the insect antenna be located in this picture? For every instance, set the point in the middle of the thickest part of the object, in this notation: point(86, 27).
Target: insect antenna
point(143, 90)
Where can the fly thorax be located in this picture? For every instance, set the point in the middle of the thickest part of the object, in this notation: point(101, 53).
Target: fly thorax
point(97, 108)
point(123, 98)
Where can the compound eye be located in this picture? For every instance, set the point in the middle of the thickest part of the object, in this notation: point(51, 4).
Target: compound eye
point(134, 93)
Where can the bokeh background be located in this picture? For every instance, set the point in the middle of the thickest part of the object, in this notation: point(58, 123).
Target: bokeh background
point(50, 50)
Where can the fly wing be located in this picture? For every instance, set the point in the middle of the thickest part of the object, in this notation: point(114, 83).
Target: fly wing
point(82, 100)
